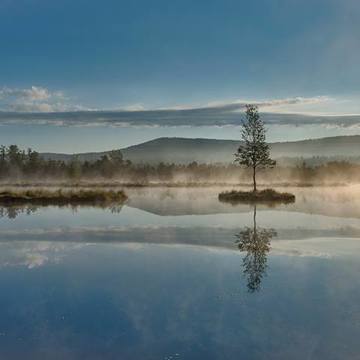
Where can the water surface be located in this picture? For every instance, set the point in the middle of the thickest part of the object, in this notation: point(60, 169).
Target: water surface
point(175, 274)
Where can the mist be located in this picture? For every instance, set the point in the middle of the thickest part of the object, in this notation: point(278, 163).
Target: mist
point(30, 168)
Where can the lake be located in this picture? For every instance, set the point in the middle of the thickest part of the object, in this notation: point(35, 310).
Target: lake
point(176, 274)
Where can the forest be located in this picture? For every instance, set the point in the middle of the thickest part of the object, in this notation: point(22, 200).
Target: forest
point(27, 166)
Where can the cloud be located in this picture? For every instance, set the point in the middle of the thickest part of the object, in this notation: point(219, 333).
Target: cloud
point(34, 99)
point(32, 94)
point(240, 104)
point(39, 106)
point(134, 107)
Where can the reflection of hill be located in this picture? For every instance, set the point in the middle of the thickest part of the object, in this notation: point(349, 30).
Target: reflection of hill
point(221, 238)
point(336, 201)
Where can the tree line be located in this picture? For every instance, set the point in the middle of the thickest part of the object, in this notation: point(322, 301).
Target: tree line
point(16, 163)
point(28, 166)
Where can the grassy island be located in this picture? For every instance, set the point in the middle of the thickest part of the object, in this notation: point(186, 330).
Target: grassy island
point(61, 197)
point(267, 195)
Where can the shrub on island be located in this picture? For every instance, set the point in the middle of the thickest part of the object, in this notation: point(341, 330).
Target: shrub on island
point(267, 195)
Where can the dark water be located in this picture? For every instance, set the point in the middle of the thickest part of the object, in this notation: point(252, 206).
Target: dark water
point(176, 275)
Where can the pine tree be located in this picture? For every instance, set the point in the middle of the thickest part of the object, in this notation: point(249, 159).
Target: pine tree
point(254, 152)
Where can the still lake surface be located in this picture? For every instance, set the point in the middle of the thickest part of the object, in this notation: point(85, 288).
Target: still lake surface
point(175, 274)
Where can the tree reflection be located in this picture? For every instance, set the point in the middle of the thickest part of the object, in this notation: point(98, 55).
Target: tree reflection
point(256, 243)
point(12, 212)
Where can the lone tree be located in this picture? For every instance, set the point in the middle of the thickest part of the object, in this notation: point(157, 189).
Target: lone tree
point(254, 152)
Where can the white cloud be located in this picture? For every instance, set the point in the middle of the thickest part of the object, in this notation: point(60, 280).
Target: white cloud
point(36, 93)
point(34, 99)
point(134, 107)
point(33, 93)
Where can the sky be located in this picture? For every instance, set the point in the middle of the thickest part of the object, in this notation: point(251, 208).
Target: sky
point(94, 75)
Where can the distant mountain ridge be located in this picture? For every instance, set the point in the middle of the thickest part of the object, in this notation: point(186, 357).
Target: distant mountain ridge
point(186, 150)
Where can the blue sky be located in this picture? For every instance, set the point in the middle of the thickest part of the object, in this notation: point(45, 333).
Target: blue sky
point(289, 56)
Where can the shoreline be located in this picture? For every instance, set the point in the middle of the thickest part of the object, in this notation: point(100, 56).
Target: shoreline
point(84, 185)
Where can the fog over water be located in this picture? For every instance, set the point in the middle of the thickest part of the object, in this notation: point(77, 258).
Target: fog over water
point(174, 215)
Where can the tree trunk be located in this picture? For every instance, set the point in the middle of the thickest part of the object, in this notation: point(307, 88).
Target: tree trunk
point(254, 219)
point(254, 178)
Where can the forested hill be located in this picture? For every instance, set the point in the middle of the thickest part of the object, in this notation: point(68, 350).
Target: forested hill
point(183, 150)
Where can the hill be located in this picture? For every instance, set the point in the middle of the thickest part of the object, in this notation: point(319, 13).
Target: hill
point(184, 150)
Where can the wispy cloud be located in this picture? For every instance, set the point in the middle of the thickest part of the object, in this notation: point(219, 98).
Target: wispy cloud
point(272, 104)
point(39, 106)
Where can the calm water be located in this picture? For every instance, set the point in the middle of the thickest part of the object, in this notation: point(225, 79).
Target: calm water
point(175, 274)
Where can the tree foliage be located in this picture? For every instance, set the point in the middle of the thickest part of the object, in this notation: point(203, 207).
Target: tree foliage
point(254, 152)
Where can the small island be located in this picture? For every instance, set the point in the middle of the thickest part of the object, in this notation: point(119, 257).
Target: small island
point(267, 196)
point(61, 197)
point(254, 154)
